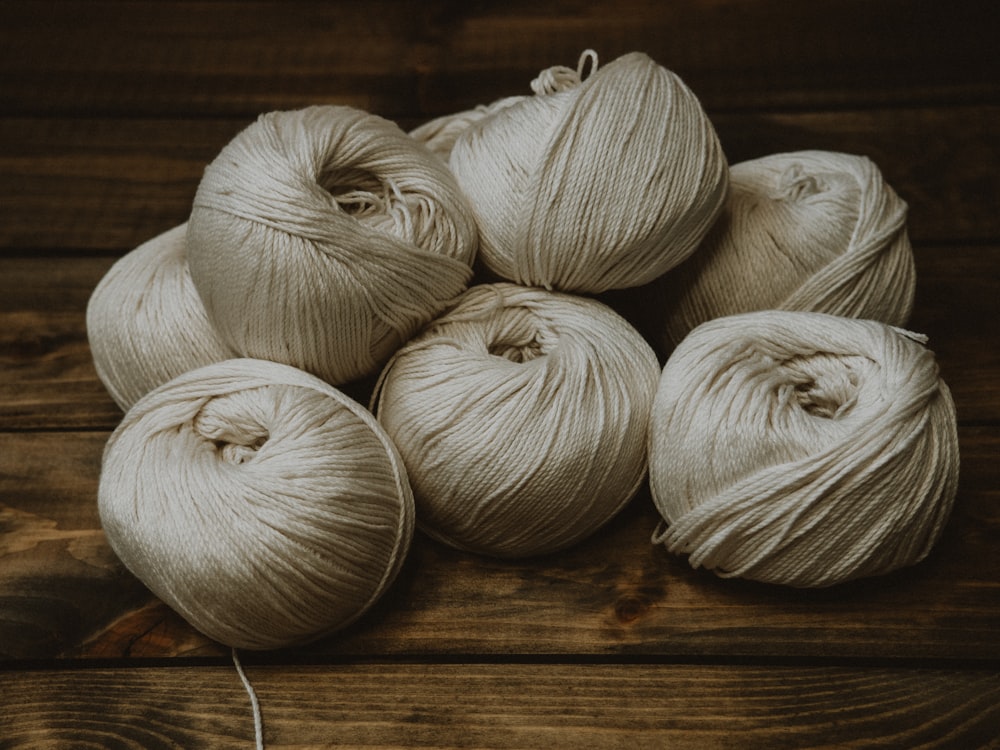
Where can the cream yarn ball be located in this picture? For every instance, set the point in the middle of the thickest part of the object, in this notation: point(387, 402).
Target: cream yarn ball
point(439, 135)
point(146, 323)
point(596, 184)
point(802, 448)
point(257, 501)
point(814, 230)
point(324, 237)
point(521, 415)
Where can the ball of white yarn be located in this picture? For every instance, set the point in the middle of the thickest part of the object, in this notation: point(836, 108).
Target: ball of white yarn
point(324, 237)
point(818, 231)
point(146, 323)
point(802, 448)
point(257, 501)
point(591, 185)
point(521, 415)
point(439, 135)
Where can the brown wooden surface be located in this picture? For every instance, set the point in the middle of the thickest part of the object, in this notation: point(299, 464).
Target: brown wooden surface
point(584, 706)
point(109, 111)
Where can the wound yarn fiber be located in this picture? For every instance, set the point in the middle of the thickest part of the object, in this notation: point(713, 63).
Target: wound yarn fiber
point(260, 503)
point(818, 231)
point(595, 183)
point(802, 448)
point(146, 323)
point(439, 135)
point(521, 416)
point(324, 237)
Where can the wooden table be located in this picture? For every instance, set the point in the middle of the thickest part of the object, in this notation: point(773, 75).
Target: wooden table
point(109, 111)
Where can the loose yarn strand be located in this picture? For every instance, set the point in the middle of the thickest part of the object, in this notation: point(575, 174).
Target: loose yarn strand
point(561, 78)
point(258, 722)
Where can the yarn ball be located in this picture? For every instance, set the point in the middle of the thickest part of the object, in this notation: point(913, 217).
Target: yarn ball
point(146, 323)
point(817, 231)
point(257, 501)
point(439, 135)
point(521, 415)
point(595, 184)
point(324, 237)
point(802, 448)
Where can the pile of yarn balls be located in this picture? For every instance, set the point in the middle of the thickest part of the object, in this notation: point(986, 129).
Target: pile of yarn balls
point(795, 434)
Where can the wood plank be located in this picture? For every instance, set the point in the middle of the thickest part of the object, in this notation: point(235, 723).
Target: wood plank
point(588, 706)
point(957, 307)
point(49, 377)
point(63, 594)
point(50, 381)
point(101, 184)
point(96, 184)
point(426, 58)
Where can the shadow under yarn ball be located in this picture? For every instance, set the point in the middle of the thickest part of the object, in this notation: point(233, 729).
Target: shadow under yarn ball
point(324, 237)
point(257, 501)
point(146, 323)
point(595, 183)
point(817, 231)
point(521, 416)
point(802, 448)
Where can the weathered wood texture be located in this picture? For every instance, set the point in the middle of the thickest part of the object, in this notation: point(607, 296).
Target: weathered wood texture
point(430, 57)
point(109, 112)
point(587, 706)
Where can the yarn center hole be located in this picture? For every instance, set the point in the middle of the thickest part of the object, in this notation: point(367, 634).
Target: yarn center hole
point(234, 425)
point(356, 191)
point(795, 184)
point(826, 385)
point(239, 452)
point(519, 335)
point(373, 201)
point(517, 350)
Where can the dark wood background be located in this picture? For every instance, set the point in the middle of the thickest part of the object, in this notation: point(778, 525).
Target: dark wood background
point(109, 111)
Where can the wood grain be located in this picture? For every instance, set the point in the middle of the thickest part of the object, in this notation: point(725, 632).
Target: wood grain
point(69, 185)
point(63, 594)
point(427, 57)
point(44, 354)
point(587, 706)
